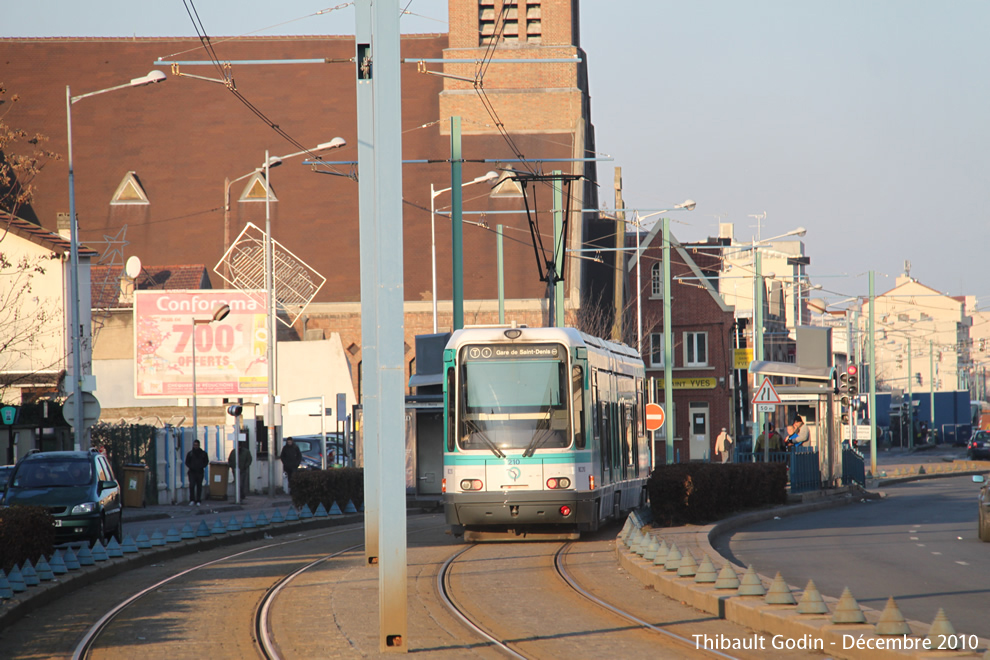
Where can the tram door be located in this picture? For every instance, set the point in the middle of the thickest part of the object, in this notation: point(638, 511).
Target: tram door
point(700, 446)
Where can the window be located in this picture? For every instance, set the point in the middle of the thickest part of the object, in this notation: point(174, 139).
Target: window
point(656, 278)
point(696, 349)
point(656, 349)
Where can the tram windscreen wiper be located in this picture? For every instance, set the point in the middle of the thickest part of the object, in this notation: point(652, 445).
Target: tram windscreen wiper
point(488, 441)
point(540, 436)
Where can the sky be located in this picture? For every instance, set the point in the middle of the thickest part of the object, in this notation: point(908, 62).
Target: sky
point(866, 123)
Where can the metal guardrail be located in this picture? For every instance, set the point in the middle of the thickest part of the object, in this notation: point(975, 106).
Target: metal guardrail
point(853, 467)
point(804, 471)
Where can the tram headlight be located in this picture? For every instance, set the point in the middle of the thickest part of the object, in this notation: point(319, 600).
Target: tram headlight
point(471, 484)
point(554, 483)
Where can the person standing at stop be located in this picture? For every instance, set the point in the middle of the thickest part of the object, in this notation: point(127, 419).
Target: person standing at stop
point(196, 462)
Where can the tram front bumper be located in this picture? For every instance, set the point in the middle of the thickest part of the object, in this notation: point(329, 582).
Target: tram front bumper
point(523, 508)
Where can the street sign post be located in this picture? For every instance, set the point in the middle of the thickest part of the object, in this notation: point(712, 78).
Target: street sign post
point(654, 416)
point(91, 409)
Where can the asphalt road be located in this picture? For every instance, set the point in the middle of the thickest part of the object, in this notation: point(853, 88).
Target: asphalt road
point(919, 545)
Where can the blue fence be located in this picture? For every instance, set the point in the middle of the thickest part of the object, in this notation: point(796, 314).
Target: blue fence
point(853, 467)
point(803, 471)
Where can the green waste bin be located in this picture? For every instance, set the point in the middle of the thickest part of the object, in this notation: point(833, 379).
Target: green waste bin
point(135, 477)
point(218, 480)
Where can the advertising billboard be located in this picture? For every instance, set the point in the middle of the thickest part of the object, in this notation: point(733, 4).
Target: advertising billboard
point(230, 355)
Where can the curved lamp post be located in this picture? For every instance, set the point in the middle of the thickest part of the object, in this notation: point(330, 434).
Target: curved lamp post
point(76, 329)
point(269, 163)
point(489, 177)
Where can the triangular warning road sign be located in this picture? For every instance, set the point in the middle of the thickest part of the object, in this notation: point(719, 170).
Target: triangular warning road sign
point(766, 393)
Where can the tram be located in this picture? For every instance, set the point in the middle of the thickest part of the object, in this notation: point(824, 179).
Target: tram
point(544, 433)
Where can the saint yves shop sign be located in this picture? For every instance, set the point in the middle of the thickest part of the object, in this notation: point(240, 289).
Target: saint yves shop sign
point(691, 383)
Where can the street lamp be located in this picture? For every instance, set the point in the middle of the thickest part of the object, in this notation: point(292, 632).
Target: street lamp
point(686, 205)
point(275, 162)
point(271, 162)
point(76, 329)
point(490, 177)
point(219, 314)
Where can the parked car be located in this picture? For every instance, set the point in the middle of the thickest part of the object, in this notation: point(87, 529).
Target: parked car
point(984, 502)
point(79, 489)
point(979, 446)
point(5, 471)
point(310, 445)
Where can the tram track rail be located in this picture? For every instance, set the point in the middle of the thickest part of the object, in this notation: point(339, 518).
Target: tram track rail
point(512, 648)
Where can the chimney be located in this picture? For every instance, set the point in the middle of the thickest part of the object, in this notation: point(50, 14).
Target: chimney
point(64, 226)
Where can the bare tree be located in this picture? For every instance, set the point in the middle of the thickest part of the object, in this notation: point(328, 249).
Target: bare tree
point(30, 321)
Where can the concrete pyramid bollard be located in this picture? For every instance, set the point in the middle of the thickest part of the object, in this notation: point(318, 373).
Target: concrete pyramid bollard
point(248, 522)
point(779, 593)
point(173, 536)
point(750, 584)
point(811, 601)
point(321, 511)
point(233, 525)
point(85, 556)
point(635, 540)
point(305, 512)
point(277, 517)
point(16, 580)
point(113, 551)
point(44, 570)
point(673, 561)
point(626, 527)
point(203, 530)
point(143, 541)
point(219, 527)
point(335, 509)
point(651, 549)
point(100, 552)
point(661, 557)
point(292, 515)
point(847, 610)
point(262, 520)
point(128, 547)
point(688, 566)
point(6, 592)
point(706, 572)
point(892, 622)
point(58, 563)
point(30, 575)
point(942, 633)
point(727, 578)
point(71, 560)
point(157, 538)
point(349, 507)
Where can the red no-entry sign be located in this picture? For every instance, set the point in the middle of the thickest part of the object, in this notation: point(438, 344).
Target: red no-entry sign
point(654, 416)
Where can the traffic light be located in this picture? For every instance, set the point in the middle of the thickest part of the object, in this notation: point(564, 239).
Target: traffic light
point(852, 371)
point(844, 418)
point(844, 389)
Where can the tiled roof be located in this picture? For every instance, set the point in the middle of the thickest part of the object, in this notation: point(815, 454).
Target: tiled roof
point(41, 236)
point(105, 282)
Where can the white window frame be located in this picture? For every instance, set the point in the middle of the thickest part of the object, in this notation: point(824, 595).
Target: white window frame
point(656, 281)
point(656, 341)
point(691, 345)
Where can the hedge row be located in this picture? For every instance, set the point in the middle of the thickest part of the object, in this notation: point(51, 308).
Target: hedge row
point(699, 493)
point(26, 532)
point(315, 487)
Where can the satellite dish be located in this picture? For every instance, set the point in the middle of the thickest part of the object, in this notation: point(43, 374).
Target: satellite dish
point(818, 305)
point(133, 267)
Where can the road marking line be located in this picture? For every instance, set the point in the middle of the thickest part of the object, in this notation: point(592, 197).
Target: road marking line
point(936, 553)
point(914, 538)
point(962, 563)
point(920, 545)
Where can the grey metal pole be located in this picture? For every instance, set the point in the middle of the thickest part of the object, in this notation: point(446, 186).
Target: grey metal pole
point(501, 278)
point(668, 347)
point(873, 385)
point(910, 400)
point(457, 225)
point(76, 328)
point(270, 292)
point(558, 249)
point(433, 251)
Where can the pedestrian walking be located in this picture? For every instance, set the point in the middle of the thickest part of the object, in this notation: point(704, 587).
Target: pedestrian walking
point(241, 458)
point(723, 445)
point(291, 457)
point(196, 463)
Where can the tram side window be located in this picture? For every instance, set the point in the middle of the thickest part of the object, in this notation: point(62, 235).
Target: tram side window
point(606, 435)
point(577, 403)
point(595, 417)
point(450, 400)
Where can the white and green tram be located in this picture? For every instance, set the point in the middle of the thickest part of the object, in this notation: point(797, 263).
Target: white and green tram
point(544, 432)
